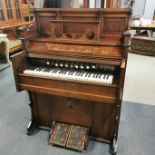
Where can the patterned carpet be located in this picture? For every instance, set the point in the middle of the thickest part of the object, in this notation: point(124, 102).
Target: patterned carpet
point(136, 137)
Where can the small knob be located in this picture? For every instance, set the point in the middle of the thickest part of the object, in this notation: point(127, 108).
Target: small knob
point(47, 62)
point(61, 65)
point(71, 65)
point(66, 65)
point(87, 67)
point(81, 67)
point(56, 65)
point(76, 66)
point(93, 66)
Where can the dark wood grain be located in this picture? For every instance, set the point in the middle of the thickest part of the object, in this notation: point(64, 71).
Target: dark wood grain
point(77, 35)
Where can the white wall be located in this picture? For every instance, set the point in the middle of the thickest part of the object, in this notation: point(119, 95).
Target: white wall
point(144, 8)
point(149, 9)
point(138, 9)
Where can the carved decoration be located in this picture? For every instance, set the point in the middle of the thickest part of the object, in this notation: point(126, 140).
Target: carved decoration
point(114, 25)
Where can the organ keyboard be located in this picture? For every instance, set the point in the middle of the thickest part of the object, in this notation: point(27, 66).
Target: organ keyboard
point(71, 75)
point(74, 69)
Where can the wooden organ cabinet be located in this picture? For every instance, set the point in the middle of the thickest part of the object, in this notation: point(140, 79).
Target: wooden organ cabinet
point(73, 70)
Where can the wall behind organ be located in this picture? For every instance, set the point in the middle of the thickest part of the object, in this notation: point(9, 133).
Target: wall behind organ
point(149, 9)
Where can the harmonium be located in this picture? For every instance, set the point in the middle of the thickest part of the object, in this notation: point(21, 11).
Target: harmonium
point(73, 68)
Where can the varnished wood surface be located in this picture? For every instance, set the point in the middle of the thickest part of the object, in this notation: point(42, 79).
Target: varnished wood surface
point(97, 115)
point(15, 25)
point(100, 60)
point(79, 35)
point(106, 41)
point(72, 89)
point(75, 50)
point(147, 27)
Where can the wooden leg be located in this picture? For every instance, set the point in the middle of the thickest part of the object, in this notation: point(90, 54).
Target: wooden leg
point(32, 125)
point(114, 147)
point(30, 128)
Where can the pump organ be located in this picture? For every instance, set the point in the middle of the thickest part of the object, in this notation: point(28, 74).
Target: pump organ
point(73, 69)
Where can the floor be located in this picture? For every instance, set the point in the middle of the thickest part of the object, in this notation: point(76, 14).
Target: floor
point(140, 79)
point(137, 127)
point(3, 64)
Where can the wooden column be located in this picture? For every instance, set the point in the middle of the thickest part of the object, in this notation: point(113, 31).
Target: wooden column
point(113, 3)
point(86, 3)
point(102, 3)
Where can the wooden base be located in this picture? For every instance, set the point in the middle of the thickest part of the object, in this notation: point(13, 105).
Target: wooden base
point(113, 147)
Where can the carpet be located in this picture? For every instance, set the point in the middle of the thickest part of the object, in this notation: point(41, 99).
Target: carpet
point(136, 136)
point(3, 64)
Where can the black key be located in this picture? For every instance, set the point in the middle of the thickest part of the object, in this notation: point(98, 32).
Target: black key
point(37, 69)
point(62, 72)
point(89, 74)
point(54, 71)
point(65, 72)
point(107, 76)
point(46, 70)
point(76, 73)
point(32, 68)
point(70, 73)
point(94, 76)
point(82, 74)
point(98, 75)
point(57, 71)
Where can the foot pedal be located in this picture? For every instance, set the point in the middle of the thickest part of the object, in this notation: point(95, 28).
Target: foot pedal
point(77, 138)
point(69, 136)
point(60, 133)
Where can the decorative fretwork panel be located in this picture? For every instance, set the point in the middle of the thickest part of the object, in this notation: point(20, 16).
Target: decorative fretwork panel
point(1, 11)
point(10, 12)
point(17, 8)
point(9, 9)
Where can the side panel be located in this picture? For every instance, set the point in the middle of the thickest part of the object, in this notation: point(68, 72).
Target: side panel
point(18, 65)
